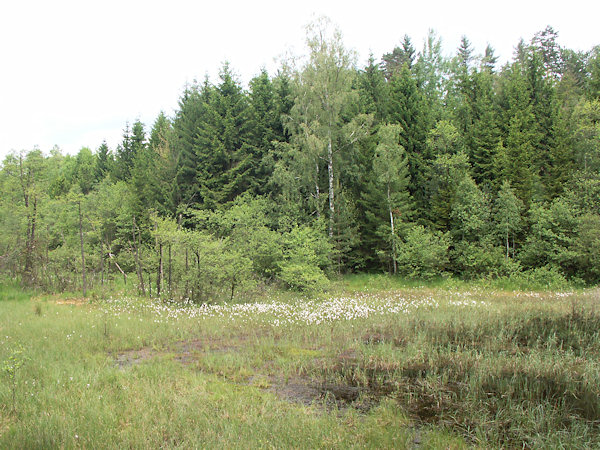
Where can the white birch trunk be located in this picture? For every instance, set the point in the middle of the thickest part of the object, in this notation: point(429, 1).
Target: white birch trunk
point(331, 194)
point(317, 191)
point(393, 231)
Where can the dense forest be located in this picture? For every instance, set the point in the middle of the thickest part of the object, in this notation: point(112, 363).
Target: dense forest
point(418, 164)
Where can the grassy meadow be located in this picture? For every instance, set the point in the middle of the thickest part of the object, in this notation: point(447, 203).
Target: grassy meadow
point(374, 363)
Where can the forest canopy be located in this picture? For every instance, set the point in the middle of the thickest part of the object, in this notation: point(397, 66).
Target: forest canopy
point(418, 164)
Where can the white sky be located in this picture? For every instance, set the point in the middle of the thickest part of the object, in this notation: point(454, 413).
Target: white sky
point(72, 72)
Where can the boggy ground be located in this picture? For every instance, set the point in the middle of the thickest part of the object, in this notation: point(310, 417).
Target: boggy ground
point(401, 368)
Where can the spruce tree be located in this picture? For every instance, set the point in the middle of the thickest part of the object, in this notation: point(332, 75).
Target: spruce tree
point(266, 129)
point(507, 216)
point(593, 83)
point(407, 108)
point(124, 156)
point(430, 71)
point(515, 156)
point(104, 161)
point(484, 133)
point(372, 91)
point(223, 146)
point(193, 105)
point(392, 62)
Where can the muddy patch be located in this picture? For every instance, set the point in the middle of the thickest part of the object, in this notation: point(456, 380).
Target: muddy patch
point(295, 391)
point(310, 392)
point(186, 352)
point(133, 357)
point(207, 345)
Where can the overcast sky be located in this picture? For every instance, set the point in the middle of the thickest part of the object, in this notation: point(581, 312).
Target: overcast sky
point(73, 72)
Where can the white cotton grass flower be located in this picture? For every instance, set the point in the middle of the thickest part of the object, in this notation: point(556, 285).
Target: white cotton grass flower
point(301, 311)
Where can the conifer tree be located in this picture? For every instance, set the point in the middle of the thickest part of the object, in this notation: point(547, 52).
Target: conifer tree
point(266, 128)
point(593, 83)
point(372, 91)
point(392, 62)
point(514, 158)
point(460, 90)
point(407, 109)
point(507, 215)
point(104, 161)
point(223, 148)
point(586, 139)
point(193, 106)
point(445, 173)
point(429, 71)
point(484, 132)
point(124, 156)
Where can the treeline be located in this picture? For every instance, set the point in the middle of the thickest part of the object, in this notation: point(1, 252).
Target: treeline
point(417, 164)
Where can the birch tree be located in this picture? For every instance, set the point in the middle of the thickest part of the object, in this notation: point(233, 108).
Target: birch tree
point(323, 89)
point(390, 165)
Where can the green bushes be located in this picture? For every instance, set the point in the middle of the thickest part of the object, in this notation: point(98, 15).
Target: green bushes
point(306, 253)
point(227, 252)
point(423, 254)
point(303, 277)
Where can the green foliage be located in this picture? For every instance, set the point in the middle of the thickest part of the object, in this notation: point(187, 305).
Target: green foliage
point(372, 91)
point(545, 277)
point(393, 62)
point(552, 237)
point(445, 173)
point(564, 239)
point(507, 214)
point(222, 149)
point(345, 233)
point(407, 108)
point(430, 70)
point(307, 244)
point(85, 170)
point(587, 247)
point(247, 226)
point(423, 254)
point(134, 142)
point(104, 161)
point(10, 367)
point(474, 260)
point(444, 138)
point(303, 277)
point(470, 212)
point(390, 167)
point(586, 116)
point(193, 107)
point(415, 138)
point(306, 256)
point(212, 271)
point(593, 83)
point(474, 253)
point(266, 128)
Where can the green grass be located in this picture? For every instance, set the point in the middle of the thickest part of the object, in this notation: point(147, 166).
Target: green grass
point(12, 292)
point(467, 366)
